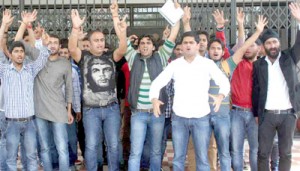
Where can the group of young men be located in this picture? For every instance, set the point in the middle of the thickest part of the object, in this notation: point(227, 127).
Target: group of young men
point(207, 91)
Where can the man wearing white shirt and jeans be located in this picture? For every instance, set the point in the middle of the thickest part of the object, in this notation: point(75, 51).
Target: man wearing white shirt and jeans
point(191, 75)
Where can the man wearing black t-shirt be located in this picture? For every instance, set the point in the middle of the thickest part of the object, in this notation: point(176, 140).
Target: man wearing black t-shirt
point(101, 111)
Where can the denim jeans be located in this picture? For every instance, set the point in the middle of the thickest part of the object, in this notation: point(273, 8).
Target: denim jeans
point(220, 123)
point(243, 123)
point(14, 133)
point(141, 122)
point(284, 125)
point(2, 142)
point(53, 131)
point(167, 129)
point(199, 129)
point(97, 121)
point(145, 158)
point(72, 136)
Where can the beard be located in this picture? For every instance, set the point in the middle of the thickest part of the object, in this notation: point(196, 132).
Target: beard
point(251, 57)
point(273, 54)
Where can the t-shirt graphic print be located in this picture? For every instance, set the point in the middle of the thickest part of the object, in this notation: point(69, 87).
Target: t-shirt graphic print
point(99, 79)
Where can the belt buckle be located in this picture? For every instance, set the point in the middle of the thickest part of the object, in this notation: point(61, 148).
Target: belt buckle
point(276, 111)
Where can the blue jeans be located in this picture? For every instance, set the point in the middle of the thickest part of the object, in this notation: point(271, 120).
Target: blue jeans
point(145, 158)
point(14, 133)
point(97, 121)
point(199, 129)
point(2, 142)
point(243, 123)
point(141, 122)
point(220, 123)
point(48, 130)
point(167, 129)
point(72, 136)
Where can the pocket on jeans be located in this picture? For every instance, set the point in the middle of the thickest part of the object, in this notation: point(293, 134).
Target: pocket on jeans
point(86, 110)
point(115, 108)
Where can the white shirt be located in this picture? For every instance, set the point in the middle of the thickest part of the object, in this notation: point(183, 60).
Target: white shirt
point(191, 85)
point(278, 92)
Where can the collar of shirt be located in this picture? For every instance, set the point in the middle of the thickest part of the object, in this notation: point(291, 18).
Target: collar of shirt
point(275, 62)
point(12, 67)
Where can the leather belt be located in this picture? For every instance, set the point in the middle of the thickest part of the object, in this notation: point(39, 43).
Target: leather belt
point(144, 110)
point(241, 109)
point(287, 111)
point(109, 105)
point(21, 119)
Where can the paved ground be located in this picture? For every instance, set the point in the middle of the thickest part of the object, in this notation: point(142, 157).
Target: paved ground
point(168, 157)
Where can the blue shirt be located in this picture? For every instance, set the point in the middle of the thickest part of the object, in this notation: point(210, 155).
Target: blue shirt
point(18, 85)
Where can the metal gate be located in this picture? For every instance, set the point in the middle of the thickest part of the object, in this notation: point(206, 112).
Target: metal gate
point(54, 15)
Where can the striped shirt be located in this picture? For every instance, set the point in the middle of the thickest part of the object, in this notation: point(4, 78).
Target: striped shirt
point(165, 53)
point(143, 99)
point(18, 85)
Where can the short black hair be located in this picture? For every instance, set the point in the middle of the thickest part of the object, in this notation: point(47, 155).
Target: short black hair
point(54, 36)
point(218, 41)
point(190, 34)
point(176, 44)
point(16, 44)
point(199, 32)
point(147, 36)
point(90, 33)
point(64, 43)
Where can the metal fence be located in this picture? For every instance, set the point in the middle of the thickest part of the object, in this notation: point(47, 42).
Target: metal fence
point(54, 16)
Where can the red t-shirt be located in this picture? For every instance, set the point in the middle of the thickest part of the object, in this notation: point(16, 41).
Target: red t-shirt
point(125, 69)
point(241, 84)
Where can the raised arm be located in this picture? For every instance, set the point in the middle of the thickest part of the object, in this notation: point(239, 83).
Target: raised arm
point(295, 50)
point(240, 17)
point(7, 19)
point(120, 28)
point(220, 34)
point(238, 55)
point(175, 29)
point(73, 39)
point(27, 18)
point(186, 19)
point(31, 35)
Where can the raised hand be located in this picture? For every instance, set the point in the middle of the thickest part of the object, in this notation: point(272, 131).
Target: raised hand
point(76, 20)
point(177, 5)
point(114, 8)
point(122, 25)
point(295, 10)
point(28, 17)
point(261, 23)
point(133, 37)
point(7, 18)
point(240, 16)
point(45, 38)
point(186, 15)
point(219, 18)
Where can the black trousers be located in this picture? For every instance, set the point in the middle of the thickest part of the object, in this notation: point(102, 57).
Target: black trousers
point(284, 124)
